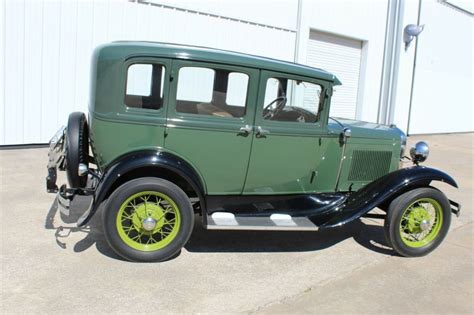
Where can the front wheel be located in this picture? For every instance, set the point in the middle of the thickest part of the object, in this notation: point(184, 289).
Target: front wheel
point(148, 219)
point(417, 221)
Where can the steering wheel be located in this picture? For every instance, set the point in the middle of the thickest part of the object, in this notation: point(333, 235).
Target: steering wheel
point(280, 103)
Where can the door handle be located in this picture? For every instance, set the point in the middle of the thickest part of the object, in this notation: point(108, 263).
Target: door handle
point(261, 133)
point(245, 130)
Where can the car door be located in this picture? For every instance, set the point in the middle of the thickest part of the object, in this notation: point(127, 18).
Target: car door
point(209, 119)
point(292, 151)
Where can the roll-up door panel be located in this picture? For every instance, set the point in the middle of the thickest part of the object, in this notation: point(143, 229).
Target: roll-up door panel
point(342, 57)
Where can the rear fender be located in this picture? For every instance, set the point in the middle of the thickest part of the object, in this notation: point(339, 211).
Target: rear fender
point(135, 161)
point(384, 190)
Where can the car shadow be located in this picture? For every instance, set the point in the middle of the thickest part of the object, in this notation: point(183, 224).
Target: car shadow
point(367, 234)
point(66, 226)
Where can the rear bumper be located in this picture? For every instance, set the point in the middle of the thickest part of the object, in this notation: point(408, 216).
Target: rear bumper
point(57, 161)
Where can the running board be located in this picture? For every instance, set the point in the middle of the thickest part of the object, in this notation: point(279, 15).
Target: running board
point(275, 222)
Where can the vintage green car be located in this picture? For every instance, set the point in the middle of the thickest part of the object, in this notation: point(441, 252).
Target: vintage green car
point(246, 142)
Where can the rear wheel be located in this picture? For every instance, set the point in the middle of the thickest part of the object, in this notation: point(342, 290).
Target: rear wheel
point(148, 219)
point(417, 221)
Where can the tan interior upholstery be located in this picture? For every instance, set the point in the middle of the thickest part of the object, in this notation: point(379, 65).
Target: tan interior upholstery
point(210, 109)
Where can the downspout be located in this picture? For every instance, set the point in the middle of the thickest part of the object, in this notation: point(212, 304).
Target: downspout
point(391, 58)
point(395, 63)
point(298, 31)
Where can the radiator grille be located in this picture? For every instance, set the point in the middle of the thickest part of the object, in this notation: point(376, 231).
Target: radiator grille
point(369, 165)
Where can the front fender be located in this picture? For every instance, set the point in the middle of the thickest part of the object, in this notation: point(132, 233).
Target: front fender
point(139, 160)
point(385, 189)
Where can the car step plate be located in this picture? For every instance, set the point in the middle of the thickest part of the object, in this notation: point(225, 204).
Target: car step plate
point(275, 222)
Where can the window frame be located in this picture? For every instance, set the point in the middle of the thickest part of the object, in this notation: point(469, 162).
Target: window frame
point(249, 104)
point(290, 126)
point(138, 111)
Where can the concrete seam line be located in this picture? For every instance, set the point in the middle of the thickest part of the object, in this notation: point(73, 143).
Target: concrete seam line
point(322, 283)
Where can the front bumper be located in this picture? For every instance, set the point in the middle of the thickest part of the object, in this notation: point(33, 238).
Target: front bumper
point(455, 208)
point(57, 160)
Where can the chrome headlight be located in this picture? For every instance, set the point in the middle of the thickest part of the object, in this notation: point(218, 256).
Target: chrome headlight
point(419, 153)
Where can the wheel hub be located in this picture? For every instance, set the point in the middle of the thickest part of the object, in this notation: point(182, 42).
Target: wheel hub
point(149, 224)
point(424, 225)
point(148, 217)
point(418, 220)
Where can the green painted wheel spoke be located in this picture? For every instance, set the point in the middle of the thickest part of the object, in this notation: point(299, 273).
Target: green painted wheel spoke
point(153, 238)
point(128, 228)
point(163, 233)
point(138, 237)
point(127, 217)
point(149, 239)
point(167, 210)
point(169, 222)
point(133, 205)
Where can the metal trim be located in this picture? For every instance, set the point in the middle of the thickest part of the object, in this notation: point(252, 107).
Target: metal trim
point(262, 224)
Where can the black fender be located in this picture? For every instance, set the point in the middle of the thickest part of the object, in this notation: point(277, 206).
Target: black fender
point(385, 189)
point(129, 163)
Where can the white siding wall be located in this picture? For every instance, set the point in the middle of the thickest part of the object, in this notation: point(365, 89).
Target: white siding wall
point(45, 50)
point(2, 72)
point(278, 13)
point(443, 88)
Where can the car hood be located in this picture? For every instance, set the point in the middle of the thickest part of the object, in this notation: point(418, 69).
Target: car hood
point(363, 129)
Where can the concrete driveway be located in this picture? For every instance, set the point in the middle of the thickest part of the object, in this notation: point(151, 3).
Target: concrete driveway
point(52, 267)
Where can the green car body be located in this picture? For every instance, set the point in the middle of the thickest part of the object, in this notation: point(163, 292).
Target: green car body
point(307, 155)
point(243, 141)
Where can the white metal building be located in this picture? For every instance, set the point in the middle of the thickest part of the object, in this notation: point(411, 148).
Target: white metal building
point(45, 50)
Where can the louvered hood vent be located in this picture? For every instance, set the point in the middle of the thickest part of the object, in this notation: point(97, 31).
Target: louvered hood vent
point(369, 165)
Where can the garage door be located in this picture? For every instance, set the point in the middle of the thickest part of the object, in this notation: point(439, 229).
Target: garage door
point(340, 56)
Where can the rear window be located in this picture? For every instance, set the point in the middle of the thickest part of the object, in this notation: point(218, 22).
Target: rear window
point(145, 86)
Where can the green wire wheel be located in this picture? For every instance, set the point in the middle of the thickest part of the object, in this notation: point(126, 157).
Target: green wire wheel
point(417, 221)
point(148, 219)
point(421, 222)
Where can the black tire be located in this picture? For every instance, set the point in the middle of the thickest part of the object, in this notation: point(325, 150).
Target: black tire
point(121, 194)
point(77, 148)
point(394, 217)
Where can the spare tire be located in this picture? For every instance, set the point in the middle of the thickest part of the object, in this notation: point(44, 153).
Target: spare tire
point(77, 149)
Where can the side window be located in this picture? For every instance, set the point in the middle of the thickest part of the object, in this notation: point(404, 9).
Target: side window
point(195, 84)
point(211, 91)
point(237, 83)
point(145, 86)
point(292, 100)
